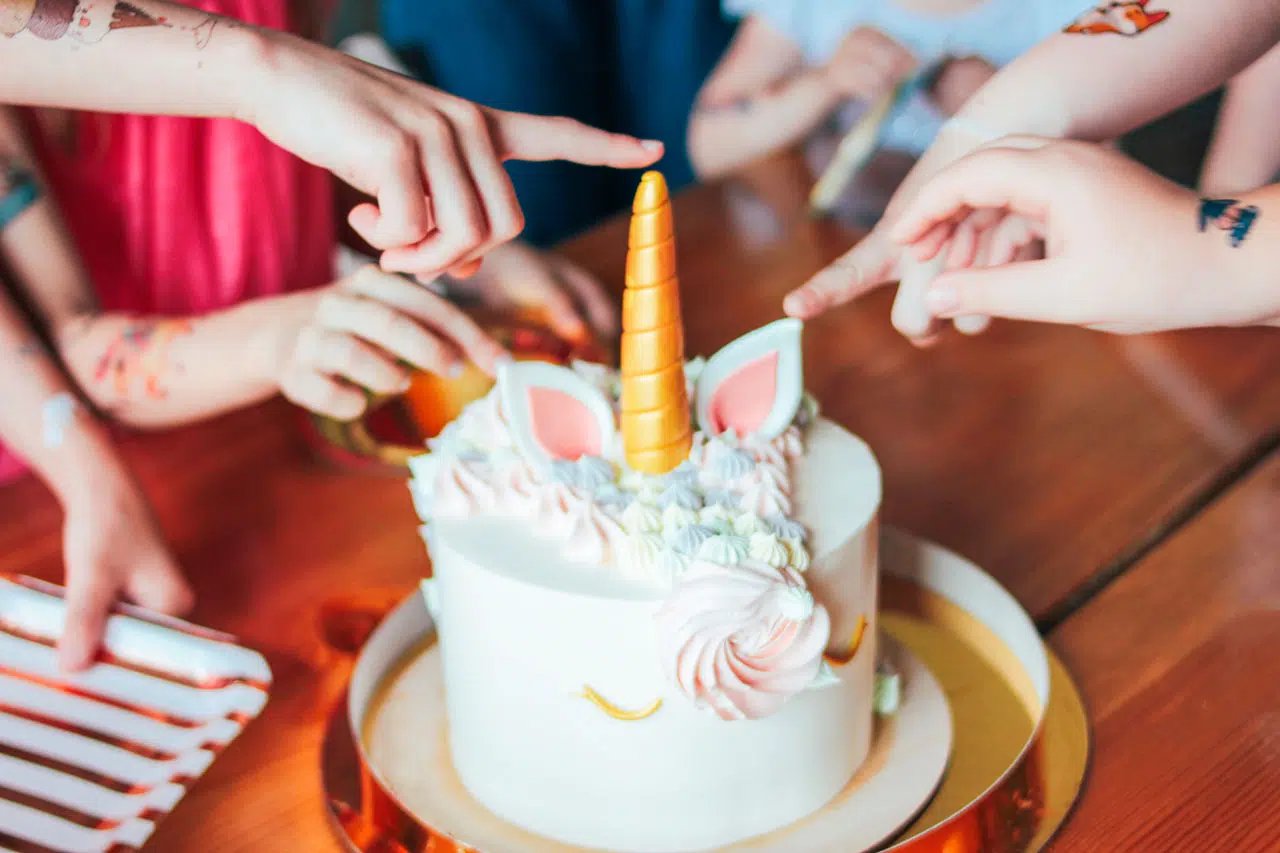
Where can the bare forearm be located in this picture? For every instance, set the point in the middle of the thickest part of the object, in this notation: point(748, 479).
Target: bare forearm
point(723, 137)
point(143, 56)
point(1245, 153)
point(1103, 85)
point(154, 371)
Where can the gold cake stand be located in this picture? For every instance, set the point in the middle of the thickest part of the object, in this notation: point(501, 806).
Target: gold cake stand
point(1017, 765)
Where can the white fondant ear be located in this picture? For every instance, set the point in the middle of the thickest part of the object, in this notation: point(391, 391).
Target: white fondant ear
point(554, 413)
point(754, 385)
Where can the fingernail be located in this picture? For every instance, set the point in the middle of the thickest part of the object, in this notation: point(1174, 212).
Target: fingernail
point(941, 298)
point(405, 384)
point(503, 358)
point(651, 145)
point(455, 369)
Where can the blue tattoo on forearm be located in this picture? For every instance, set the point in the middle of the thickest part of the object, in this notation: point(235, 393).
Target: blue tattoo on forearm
point(1228, 215)
point(19, 189)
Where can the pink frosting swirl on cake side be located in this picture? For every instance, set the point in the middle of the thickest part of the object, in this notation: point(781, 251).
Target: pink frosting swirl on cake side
point(742, 639)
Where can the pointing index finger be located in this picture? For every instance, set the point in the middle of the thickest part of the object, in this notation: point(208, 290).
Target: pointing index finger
point(521, 136)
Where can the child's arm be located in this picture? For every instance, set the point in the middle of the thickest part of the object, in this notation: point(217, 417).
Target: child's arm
point(761, 97)
point(1092, 86)
point(110, 540)
point(316, 347)
point(1245, 153)
point(386, 135)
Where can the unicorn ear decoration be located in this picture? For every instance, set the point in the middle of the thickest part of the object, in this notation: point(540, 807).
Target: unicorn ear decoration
point(754, 386)
point(554, 413)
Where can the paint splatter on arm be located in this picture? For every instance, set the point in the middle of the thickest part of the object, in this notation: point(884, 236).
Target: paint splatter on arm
point(138, 360)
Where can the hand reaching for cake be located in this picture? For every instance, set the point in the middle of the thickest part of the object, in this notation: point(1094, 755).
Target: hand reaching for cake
point(367, 332)
point(1183, 262)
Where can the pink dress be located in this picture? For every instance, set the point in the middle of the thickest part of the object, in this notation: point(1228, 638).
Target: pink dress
point(184, 216)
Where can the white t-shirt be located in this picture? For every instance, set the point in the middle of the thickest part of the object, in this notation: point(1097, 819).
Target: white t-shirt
point(997, 31)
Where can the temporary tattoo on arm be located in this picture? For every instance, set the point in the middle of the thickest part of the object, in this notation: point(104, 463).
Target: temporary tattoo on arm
point(1122, 17)
point(86, 21)
point(204, 31)
point(140, 355)
point(1229, 215)
point(19, 189)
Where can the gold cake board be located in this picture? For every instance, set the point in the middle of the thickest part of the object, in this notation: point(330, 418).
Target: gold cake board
point(1016, 767)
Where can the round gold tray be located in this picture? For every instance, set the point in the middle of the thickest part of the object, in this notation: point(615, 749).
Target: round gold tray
point(1017, 762)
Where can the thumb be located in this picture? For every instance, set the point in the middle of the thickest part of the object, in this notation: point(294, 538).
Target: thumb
point(863, 268)
point(157, 584)
point(91, 591)
point(527, 137)
point(1036, 290)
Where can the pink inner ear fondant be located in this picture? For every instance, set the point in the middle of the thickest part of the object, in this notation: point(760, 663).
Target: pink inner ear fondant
point(743, 400)
point(563, 425)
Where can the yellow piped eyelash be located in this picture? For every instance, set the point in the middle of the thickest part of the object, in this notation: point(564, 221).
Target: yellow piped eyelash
point(855, 642)
point(614, 711)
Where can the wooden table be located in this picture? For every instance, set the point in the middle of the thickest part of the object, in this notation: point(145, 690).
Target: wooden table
point(1094, 476)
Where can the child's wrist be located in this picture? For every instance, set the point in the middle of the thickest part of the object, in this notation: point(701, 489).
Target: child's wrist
point(253, 55)
point(270, 333)
point(82, 464)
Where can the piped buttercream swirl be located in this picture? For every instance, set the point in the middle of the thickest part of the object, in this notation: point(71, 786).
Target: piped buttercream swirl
point(640, 517)
point(676, 516)
point(462, 489)
point(740, 640)
point(687, 540)
point(725, 549)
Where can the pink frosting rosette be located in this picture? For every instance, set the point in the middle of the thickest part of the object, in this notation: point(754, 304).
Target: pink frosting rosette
point(742, 639)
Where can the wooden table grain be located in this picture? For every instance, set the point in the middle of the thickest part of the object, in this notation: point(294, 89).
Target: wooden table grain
point(1179, 664)
point(1052, 457)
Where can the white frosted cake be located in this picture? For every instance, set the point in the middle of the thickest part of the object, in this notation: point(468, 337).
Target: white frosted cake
point(656, 608)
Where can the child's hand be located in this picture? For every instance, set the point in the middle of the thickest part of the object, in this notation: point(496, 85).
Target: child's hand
point(1124, 248)
point(361, 332)
point(111, 546)
point(868, 65)
point(522, 276)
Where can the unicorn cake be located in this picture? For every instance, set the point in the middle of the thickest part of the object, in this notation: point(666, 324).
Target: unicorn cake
point(654, 588)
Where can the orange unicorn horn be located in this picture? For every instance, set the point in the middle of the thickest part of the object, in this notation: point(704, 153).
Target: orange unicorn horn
point(656, 433)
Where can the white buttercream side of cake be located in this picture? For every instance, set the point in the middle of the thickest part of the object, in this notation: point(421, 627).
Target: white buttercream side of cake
point(524, 633)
